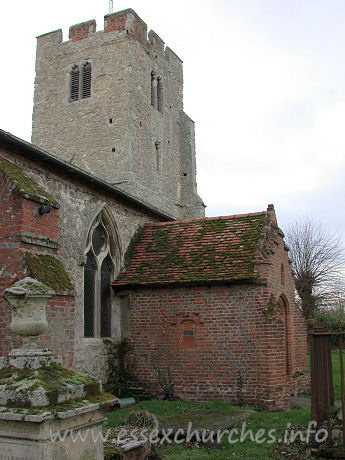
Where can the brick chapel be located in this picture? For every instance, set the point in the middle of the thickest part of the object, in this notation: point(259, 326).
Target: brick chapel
point(103, 208)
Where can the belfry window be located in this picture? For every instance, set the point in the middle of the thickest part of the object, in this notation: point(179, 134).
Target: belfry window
point(74, 83)
point(80, 82)
point(98, 274)
point(160, 94)
point(86, 80)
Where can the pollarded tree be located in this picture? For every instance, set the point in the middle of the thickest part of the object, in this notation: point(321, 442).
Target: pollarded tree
point(317, 261)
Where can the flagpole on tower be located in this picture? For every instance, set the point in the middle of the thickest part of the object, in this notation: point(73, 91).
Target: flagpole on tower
point(110, 6)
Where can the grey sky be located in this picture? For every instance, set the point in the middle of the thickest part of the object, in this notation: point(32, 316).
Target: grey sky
point(264, 82)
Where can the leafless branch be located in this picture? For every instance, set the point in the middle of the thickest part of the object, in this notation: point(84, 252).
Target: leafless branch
point(318, 260)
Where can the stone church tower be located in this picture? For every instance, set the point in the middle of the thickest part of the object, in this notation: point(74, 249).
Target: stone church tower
point(111, 103)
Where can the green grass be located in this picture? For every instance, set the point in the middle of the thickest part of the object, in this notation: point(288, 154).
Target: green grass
point(247, 449)
point(336, 373)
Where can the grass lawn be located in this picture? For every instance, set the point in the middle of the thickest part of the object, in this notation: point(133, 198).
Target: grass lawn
point(247, 449)
point(259, 420)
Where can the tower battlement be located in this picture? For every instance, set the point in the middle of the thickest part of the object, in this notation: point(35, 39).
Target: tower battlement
point(111, 102)
point(124, 23)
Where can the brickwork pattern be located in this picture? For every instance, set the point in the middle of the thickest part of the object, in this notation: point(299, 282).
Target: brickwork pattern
point(235, 352)
point(243, 342)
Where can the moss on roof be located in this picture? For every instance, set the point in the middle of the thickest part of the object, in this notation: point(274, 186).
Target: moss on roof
point(196, 251)
point(26, 185)
point(49, 270)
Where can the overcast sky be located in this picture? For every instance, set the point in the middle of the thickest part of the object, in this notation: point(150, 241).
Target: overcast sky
point(264, 83)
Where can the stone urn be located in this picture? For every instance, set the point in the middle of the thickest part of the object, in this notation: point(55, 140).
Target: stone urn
point(36, 406)
point(28, 299)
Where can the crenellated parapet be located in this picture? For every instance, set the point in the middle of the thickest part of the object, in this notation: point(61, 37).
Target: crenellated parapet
point(125, 24)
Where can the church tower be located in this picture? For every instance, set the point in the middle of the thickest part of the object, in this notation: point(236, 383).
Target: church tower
point(111, 103)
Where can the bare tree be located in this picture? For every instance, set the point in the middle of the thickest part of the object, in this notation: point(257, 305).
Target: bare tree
point(317, 261)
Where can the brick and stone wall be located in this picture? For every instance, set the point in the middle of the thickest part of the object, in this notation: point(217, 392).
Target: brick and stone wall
point(66, 229)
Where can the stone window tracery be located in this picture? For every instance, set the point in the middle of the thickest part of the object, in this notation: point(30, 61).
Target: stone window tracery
point(98, 274)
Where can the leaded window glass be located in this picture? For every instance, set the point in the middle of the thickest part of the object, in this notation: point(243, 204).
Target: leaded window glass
point(106, 271)
point(89, 295)
point(98, 272)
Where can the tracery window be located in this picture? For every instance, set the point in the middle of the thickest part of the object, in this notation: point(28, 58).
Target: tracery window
point(98, 274)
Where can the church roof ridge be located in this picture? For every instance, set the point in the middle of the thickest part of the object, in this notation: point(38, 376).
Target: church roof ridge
point(201, 219)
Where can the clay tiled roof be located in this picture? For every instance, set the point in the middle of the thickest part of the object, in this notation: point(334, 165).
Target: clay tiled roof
point(196, 251)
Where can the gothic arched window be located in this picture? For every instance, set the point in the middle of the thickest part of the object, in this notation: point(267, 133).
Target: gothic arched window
point(98, 274)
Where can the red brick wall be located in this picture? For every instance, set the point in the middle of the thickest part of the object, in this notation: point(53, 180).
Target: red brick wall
point(80, 31)
point(220, 341)
point(60, 336)
point(10, 212)
point(283, 287)
point(18, 216)
point(33, 222)
point(127, 20)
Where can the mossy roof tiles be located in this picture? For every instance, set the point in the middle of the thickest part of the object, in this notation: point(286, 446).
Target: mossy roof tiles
point(199, 251)
point(25, 184)
point(48, 270)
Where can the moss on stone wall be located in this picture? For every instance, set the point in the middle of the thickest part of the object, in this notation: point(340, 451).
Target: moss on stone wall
point(25, 184)
point(49, 270)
